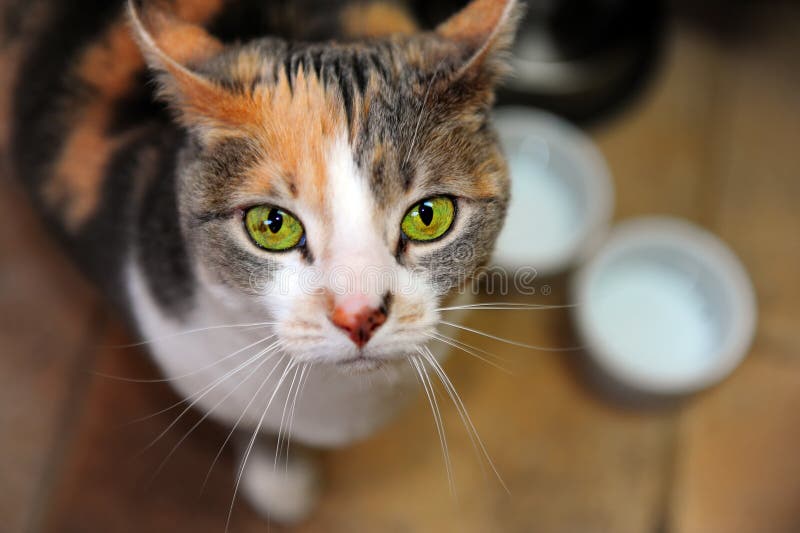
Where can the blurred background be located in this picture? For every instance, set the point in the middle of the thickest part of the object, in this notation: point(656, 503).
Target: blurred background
point(696, 107)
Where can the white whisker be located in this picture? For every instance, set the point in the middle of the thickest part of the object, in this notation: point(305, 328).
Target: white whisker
point(286, 404)
point(208, 390)
point(471, 350)
point(463, 414)
point(189, 332)
point(506, 307)
point(208, 413)
point(184, 376)
point(250, 445)
point(437, 418)
point(239, 420)
point(303, 380)
point(513, 343)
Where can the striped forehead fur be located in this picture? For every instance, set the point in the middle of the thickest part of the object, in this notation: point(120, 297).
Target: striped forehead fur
point(403, 118)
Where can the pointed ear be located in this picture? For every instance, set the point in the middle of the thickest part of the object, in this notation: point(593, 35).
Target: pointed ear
point(485, 30)
point(172, 47)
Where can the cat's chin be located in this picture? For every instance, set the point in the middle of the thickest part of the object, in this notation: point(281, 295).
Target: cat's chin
point(361, 365)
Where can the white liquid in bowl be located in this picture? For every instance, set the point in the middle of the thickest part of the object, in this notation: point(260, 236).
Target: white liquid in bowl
point(561, 192)
point(543, 218)
point(654, 319)
point(664, 307)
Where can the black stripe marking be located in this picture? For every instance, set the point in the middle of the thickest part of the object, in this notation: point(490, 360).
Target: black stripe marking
point(360, 69)
point(316, 61)
point(346, 88)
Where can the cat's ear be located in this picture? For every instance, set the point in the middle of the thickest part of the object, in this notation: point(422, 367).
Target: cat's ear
point(173, 49)
point(484, 31)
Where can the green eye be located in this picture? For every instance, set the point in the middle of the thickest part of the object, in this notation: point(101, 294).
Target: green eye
point(429, 219)
point(272, 228)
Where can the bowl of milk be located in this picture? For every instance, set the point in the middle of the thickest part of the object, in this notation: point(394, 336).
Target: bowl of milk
point(664, 307)
point(561, 192)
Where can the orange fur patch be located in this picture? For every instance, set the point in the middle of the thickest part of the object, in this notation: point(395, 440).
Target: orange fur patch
point(484, 26)
point(297, 128)
point(209, 107)
point(74, 189)
point(376, 19)
point(476, 22)
point(171, 45)
point(249, 66)
point(180, 40)
point(110, 67)
point(494, 173)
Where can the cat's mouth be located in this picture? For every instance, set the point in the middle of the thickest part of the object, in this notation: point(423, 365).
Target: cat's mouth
point(361, 364)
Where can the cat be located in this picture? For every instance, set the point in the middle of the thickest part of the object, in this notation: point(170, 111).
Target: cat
point(229, 191)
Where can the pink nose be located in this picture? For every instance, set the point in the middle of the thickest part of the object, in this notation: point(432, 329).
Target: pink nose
point(359, 320)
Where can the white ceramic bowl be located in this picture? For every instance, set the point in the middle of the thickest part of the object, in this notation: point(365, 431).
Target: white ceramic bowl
point(664, 307)
point(561, 197)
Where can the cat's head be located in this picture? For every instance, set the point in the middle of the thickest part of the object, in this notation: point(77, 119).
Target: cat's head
point(340, 190)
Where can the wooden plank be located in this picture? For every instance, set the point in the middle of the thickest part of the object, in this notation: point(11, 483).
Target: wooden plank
point(44, 329)
point(658, 151)
point(739, 470)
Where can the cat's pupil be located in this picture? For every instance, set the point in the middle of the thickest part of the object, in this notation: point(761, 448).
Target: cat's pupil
point(274, 221)
point(426, 213)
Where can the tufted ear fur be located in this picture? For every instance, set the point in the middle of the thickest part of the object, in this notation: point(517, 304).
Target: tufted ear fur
point(174, 48)
point(484, 30)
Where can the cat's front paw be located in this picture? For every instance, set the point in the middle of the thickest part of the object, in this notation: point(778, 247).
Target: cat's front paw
point(286, 493)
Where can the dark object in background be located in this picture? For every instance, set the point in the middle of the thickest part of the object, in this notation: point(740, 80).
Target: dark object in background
point(581, 59)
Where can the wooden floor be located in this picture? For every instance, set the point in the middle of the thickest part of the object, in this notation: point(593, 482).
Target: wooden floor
point(716, 140)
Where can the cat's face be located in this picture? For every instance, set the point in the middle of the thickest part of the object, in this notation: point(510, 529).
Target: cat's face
point(339, 190)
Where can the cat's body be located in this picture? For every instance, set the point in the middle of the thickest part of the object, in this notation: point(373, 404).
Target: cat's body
point(349, 136)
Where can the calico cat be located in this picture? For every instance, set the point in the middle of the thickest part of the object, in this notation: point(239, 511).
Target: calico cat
point(230, 191)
